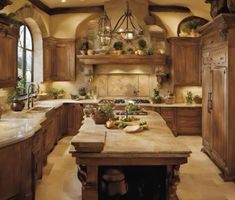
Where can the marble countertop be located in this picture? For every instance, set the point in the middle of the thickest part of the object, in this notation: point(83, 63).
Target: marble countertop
point(158, 140)
point(17, 126)
point(96, 101)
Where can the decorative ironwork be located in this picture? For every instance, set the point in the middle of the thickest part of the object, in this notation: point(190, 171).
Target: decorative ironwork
point(104, 30)
point(127, 26)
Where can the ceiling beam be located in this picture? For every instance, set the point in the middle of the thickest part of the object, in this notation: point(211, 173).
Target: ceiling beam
point(90, 9)
point(63, 10)
point(41, 6)
point(4, 3)
point(168, 8)
point(100, 9)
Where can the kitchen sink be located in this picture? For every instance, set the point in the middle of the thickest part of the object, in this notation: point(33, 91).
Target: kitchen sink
point(40, 109)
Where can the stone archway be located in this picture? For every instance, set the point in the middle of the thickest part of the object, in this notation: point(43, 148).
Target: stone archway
point(28, 11)
point(38, 29)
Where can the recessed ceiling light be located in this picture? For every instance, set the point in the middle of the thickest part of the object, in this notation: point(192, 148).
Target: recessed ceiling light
point(63, 1)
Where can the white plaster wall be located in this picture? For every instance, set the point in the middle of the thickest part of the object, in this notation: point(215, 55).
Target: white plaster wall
point(65, 25)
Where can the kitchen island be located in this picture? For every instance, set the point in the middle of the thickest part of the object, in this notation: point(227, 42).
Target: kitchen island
point(154, 147)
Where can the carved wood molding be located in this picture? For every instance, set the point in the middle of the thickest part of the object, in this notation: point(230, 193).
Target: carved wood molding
point(82, 174)
point(4, 3)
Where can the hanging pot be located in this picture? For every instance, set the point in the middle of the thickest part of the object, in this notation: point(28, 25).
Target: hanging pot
point(113, 183)
point(17, 105)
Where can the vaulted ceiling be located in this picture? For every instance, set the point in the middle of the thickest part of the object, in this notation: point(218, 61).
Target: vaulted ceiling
point(81, 3)
point(66, 6)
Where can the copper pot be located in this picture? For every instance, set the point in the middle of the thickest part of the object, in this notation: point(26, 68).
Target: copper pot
point(113, 183)
point(17, 105)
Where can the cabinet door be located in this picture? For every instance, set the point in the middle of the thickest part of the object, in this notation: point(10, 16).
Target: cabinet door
point(48, 49)
point(188, 121)
point(185, 61)
point(206, 107)
point(168, 114)
point(75, 117)
point(38, 153)
point(7, 61)
point(64, 61)
point(219, 88)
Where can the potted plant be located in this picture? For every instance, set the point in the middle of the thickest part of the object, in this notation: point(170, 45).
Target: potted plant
point(56, 93)
point(189, 97)
point(192, 25)
point(13, 97)
point(142, 45)
point(103, 113)
point(156, 97)
point(118, 46)
point(130, 51)
point(82, 91)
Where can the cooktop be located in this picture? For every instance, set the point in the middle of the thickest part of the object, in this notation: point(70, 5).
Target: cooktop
point(125, 101)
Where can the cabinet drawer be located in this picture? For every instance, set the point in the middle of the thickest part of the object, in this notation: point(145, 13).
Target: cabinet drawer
point(189, 112)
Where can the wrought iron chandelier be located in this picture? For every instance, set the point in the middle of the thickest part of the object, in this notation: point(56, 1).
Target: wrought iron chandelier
point(126, 28)
point(104, 30)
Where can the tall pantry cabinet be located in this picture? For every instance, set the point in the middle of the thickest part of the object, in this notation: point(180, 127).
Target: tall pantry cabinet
point(218, 85)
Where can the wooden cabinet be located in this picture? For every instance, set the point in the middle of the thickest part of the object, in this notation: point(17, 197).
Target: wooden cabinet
point(16, 171)
point(75, 117)
point(62, 122)
point(181, 120)
point(188, 121)
point(59, 59)
point(218, 50)
point(8, 55)
point(38, 154)
point(185, 67)
point(168, 114)
point(50, 134)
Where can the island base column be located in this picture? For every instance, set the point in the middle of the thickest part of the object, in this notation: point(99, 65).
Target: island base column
point(88, 177)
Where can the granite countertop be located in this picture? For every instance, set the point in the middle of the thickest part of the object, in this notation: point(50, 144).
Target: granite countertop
point(157, 141)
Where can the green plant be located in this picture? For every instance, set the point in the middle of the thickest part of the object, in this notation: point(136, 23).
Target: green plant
point(105, 110)
point(130, 51)
point(156, 98)
point(55, 92)
point(132, 107)
point(150, 51)
point(142, 44)
point(82, 91)
point(189, 97)
point(118, 45)
point(192, 24)
point(17, 90)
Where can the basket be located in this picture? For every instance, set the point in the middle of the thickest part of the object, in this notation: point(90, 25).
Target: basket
point(100, 119)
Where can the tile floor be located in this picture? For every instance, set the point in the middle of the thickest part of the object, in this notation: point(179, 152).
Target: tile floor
point(200, 178)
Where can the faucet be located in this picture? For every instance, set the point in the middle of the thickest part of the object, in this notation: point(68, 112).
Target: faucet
point(30, 91)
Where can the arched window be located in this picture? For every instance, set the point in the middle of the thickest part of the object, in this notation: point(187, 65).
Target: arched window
point(25, 55)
